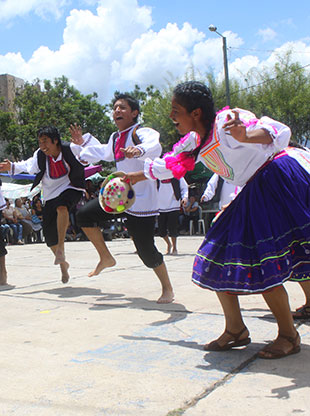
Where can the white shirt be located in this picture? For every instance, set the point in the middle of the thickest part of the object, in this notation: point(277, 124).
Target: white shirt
point(228, 191)
point(234, 161)
point(167, 199)
point(146, 203)
point(52, 187)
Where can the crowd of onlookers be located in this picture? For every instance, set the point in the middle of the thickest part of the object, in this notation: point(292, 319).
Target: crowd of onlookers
point(21, 221)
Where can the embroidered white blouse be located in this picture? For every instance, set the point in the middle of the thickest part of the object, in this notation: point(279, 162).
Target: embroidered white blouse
point(146, 203)
point(234, 161)
point(52, 187)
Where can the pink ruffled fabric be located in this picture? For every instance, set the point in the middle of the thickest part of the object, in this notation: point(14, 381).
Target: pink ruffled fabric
point(180, 164)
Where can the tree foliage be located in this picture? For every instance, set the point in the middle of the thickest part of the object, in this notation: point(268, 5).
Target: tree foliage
point(58, 104)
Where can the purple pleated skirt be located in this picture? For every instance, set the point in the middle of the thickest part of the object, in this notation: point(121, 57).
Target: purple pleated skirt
point(262, 239)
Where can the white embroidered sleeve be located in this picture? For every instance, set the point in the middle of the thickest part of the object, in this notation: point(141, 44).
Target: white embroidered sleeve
point(279, 132)
point(88, 140)
point(94, 153)
point(149, 146)
point(156, 169)
point(211, 187)
point(29, 166)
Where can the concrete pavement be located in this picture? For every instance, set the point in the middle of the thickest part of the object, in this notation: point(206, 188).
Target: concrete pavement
point(102, 346)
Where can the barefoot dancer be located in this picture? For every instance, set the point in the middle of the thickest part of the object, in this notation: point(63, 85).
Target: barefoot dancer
point(128, 147)
point(262, 238)
point(56, 164)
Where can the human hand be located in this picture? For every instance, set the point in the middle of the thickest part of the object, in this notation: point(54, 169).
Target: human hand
point(203, 198)
point(235, 127)
point(184, 202)
point(5, 166)
point(76, 134)
point(131, 151)
point(134, 177)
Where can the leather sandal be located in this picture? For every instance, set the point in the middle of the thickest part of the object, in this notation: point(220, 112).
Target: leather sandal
point(302, 313)
point(275, 353)
point(235, 342)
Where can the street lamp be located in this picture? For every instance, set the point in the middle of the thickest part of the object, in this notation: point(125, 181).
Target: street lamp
point(213, 28)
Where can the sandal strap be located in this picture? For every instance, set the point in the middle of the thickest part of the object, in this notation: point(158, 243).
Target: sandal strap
point(238, 335)
point(292, 340)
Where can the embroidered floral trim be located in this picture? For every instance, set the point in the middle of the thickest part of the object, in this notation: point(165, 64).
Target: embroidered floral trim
point(141, 150)
point(151, 171)
point(180, 159)
point(86, 142)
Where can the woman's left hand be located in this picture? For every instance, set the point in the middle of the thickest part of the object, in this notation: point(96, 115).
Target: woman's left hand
point(235, 127)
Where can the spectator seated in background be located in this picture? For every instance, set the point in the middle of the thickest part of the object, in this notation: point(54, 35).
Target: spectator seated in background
point(36, 217)
point(10, 216)
point(190, 212)
point(24, 216)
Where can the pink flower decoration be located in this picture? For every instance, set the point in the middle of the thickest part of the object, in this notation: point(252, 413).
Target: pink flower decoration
point(180, 164)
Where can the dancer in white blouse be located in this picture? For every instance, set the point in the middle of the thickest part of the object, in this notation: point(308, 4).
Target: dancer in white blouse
point(262, 239)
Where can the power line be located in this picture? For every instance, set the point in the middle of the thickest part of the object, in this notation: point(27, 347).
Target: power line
point(269, 80)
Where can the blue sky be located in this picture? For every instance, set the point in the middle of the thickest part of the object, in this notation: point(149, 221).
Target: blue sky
point(106, 45)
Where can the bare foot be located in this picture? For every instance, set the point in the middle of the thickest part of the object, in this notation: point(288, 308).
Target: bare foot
point(174, 252)
point(64, 272)
point(103, 264)
point(168, 249)
point(166, 297)
point(59, 256)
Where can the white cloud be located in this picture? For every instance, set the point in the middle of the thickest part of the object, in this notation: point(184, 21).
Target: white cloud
point(153, 56)
point(13, 8)
point(209, 54)
point(267, 34)
point(116, 48)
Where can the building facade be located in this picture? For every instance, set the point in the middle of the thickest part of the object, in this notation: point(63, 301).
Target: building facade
point(9, 86)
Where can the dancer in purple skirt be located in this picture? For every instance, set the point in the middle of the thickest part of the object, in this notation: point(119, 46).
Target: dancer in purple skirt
point(262, 239)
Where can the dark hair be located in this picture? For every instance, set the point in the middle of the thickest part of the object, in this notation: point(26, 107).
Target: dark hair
point(51, 132)
point(195, 94)
point(132, 102)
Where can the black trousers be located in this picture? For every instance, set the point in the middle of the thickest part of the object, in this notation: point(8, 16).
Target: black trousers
point(168, 223)
point(69, 198)
point(141, 230)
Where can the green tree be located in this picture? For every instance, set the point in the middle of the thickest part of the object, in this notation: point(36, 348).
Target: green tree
point(58, 104)
point(282, 93)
